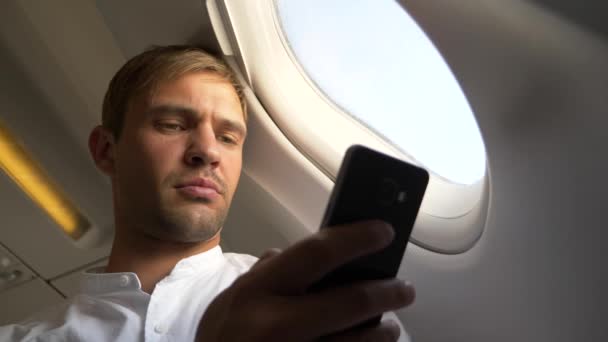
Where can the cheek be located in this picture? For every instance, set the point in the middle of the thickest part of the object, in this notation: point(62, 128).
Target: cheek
point(158, 149)
point(233, 171)
point(149, 157)
point(161, 155)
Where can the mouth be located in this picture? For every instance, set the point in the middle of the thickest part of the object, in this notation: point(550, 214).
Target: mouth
point(199, 188)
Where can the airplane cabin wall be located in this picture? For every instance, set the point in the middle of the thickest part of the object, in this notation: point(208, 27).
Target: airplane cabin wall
point(537, 84)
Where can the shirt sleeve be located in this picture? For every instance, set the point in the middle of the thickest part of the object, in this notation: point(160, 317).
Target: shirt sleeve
point(30, 332)
point(13, 332)
point(38, 327)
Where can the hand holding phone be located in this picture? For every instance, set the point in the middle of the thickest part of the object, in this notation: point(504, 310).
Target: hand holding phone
point(374, 186)
point(275, 300)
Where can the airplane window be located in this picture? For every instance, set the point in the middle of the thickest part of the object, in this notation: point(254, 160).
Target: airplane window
point(374, 62)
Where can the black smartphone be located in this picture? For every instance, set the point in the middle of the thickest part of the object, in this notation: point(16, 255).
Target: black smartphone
point(373, 185)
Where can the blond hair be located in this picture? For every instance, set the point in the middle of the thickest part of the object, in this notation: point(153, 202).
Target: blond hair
point(144, 72)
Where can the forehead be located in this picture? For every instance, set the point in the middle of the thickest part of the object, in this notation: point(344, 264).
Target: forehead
point(204, 89)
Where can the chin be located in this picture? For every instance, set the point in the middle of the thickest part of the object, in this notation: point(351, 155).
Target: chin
point(188, 225)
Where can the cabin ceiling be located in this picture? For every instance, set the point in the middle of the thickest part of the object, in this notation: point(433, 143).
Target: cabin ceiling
point(138, 24)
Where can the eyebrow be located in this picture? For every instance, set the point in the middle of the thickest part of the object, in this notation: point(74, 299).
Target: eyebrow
point(177, 109)
point(192, 114)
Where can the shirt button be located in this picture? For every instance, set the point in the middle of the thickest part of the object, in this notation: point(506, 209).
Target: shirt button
point(124, 280)
point(160, 328)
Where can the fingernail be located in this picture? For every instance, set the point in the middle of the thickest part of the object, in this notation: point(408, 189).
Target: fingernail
point(410, 291)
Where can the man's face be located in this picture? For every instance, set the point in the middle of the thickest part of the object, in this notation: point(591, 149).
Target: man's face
point(178, 159)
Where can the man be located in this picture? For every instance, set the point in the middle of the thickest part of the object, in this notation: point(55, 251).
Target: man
point(171, 142)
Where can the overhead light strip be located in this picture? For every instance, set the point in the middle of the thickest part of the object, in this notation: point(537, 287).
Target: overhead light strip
point(30, 177)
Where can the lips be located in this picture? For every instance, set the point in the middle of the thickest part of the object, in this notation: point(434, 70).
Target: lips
point(200, 182)
point(199, 188)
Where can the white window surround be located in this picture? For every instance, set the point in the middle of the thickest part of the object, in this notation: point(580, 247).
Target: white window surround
point(452, 215)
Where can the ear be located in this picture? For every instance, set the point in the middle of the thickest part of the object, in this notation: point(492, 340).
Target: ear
point(101, 147)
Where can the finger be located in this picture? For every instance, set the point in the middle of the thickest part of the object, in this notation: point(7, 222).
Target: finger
point(303, 264)
point(386, 331)
point(267, 255)
point(340, 308)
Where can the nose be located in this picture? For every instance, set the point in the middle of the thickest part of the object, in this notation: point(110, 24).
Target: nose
point(202, 148)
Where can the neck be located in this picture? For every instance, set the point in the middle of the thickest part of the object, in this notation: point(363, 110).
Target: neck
point(150, 258)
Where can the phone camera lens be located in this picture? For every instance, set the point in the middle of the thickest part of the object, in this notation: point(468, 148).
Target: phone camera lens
point(388, 192)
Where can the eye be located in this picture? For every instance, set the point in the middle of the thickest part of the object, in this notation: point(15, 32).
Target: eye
point(170, 126)
point(228, 139)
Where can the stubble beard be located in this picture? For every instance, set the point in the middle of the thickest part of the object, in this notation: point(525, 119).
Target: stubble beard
point(179, 224)
point(176, 226)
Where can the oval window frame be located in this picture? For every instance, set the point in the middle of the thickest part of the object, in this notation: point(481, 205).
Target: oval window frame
point(452, 216)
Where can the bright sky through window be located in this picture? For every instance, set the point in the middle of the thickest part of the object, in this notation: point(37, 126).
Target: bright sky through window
point(373, 60)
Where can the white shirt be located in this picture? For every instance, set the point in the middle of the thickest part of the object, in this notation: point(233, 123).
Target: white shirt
point(113, 307)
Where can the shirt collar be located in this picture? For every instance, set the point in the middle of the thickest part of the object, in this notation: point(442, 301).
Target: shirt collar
point(198, 263)
point(96, 281)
